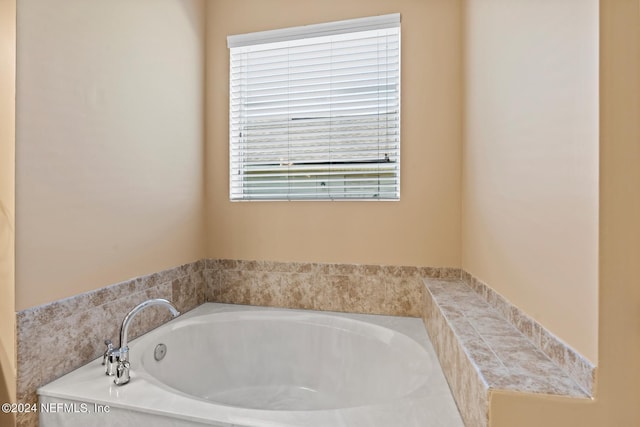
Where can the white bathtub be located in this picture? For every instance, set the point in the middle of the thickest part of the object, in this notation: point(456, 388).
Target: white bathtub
point(229, 365)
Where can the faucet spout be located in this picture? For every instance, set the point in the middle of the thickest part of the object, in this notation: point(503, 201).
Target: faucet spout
point(124, 329)
point(122, 370)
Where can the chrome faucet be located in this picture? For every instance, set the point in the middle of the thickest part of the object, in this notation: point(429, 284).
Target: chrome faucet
point(116, 361)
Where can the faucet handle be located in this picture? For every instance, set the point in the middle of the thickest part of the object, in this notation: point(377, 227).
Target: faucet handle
point(110, 358)
point(108, 351)
point(122, 373)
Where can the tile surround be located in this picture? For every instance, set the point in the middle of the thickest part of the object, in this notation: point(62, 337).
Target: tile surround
point(481, 350)
point(80, 324)
point(371, 289)
point(467, 385)
point(569, 360)
point(56, 338)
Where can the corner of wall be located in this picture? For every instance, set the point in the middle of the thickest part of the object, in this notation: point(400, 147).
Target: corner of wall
point(118, 192)
point(530, 160)
point(7, 205)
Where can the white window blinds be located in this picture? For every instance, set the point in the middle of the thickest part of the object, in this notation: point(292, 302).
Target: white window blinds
point(315, 112)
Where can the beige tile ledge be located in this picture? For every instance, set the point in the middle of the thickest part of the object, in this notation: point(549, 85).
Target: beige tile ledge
point(579, 368)
point(480, 351)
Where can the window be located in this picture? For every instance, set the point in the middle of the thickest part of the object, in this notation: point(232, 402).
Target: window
point(315, 112)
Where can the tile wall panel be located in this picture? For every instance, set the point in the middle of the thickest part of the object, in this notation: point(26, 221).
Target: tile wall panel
point(56, 338)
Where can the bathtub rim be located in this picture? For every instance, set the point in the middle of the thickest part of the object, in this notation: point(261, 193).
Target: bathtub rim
point(98, 388)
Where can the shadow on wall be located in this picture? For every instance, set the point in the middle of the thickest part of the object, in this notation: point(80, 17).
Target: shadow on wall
point(5, 224)
point(6, 420)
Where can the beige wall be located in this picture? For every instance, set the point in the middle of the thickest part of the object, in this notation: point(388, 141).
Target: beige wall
point(7, 200)
point(530, 160)
point(109, 172)
point(424, 227)
point(618, 390)
point(104, 195)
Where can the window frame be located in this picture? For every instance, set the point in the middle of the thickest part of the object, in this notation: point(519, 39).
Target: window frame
point(390, 171)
